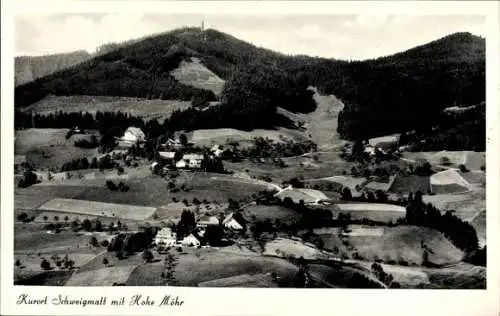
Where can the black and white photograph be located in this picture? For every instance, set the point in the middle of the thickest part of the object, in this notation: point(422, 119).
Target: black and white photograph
point(211, 150)
point(208, 151)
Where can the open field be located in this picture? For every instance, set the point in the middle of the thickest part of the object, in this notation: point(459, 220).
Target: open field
point(340, 181)
point(456, 276)
point(263, 212)
point(373, 211)
point(465, 205)
point(307, 195)
point(101, 277)
point(46, 278)
point(403, 243)
point(210, 137)
point(134, 106)
point(48, 148)
point(342, 276)
point(243, 280)
point(36, 195)
point(472, 160)
point(411, 183)
point(303, 166)
point(154, 191)
point(397, 244)
point(41, 241)
point(203, 265)
point(284, 247)
point(194, 73)
point(98, 209)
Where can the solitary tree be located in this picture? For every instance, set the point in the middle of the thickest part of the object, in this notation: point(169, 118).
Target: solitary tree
point(147, 255)
point(105, 261)
point(45, 265)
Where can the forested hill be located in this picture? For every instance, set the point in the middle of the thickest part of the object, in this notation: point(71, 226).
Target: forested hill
point(396, 93)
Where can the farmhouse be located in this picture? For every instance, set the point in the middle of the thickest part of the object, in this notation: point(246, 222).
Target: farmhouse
point(166, 237)
point(193, 161)
point(191, 240)
point(448, 181)
point(206, 220)
point(232, 223)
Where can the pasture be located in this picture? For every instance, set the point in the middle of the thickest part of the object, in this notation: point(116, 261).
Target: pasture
point(209, 264)
point(403, 243)
point(210, 137)
point(145, 108)
point(101, 277)
point(400, 244)
point(284, 248)
point(154, 191)
point(373, 211)
point(92, 208)
point(273, 213)
point(48, 148)
point(32, 197)
point(43, 242)
point(472, 160)
point(465, 205)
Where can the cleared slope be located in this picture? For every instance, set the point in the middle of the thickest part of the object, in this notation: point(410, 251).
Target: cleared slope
point(320, 125)
point(194, 73)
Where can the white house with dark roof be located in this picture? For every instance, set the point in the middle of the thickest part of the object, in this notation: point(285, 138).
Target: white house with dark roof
point(231, 223)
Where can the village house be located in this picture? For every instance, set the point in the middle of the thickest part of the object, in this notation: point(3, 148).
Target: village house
point(172, 144)
point(191, 241)
point(206, 220)
point(231, 223)
point(166, 237)
point(192, 161)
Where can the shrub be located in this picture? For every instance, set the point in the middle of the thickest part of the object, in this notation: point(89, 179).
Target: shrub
point(105, 261)
point(111, 185)
point(463, 168)
point(105, 243)
point(93, 241)
point(22, 217)
point(45, 265)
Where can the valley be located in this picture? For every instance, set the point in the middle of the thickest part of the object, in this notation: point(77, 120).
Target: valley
point(197, 167)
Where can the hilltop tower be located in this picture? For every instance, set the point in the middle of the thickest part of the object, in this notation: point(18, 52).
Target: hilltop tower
point(203, 30)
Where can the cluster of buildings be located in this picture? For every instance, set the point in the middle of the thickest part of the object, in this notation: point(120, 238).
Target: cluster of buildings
point(167, 237)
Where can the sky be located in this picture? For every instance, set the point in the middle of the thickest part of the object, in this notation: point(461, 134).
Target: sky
point(348, 37)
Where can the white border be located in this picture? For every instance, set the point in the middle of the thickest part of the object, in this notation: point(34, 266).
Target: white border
point(261, 301)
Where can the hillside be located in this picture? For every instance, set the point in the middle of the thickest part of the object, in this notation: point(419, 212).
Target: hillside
point(402, 92)
point(29, 68)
